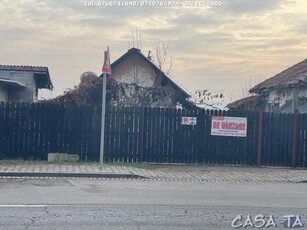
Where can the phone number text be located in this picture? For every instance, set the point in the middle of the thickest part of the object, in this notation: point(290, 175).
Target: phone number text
point(153, 3)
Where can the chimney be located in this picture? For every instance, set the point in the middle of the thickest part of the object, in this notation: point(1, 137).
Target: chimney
point(149, 55)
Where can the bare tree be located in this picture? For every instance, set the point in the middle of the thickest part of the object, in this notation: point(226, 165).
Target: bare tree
point(246, 85)
point(161, 52)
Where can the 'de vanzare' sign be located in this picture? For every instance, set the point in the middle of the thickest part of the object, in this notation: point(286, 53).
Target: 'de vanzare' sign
point(228, 126)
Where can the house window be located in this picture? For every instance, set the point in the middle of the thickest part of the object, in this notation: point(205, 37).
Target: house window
point(273, 106)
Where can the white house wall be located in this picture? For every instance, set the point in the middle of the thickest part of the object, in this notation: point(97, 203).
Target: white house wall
point(134, 70)
point(281, 97)
point(28, 93)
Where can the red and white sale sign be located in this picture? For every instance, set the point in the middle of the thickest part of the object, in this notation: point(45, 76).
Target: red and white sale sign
point(188, 120)
point(228, 126)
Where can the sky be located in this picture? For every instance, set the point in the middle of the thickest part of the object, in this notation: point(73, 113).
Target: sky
point(219, 48)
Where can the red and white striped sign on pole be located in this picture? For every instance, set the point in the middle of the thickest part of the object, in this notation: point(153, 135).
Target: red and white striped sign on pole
point(106, 64)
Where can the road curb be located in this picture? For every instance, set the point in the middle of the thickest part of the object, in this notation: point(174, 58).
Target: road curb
point(59, 174)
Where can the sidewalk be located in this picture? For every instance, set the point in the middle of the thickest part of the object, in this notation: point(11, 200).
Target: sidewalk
point(192, 173)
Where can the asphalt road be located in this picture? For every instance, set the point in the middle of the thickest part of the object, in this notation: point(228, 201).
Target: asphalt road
point(135, 204)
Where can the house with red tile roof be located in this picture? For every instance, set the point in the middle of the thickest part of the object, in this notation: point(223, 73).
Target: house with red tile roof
point(284, 92)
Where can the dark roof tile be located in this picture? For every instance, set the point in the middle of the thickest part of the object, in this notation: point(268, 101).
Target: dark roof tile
point(24, 68)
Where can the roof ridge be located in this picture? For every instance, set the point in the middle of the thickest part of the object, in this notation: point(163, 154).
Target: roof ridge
point(23, 66)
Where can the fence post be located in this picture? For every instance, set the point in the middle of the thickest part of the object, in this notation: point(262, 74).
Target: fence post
point(294, 137)
point(141, 125)
point(260, 121)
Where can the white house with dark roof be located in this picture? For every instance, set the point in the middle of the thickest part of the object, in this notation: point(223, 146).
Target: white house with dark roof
point(284, 92)
point(21, 83)
point(135, 69)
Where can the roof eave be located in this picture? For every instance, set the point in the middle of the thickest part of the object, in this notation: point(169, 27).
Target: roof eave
point(11, 83)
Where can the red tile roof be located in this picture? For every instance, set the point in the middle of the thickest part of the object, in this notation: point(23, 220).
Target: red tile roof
point(248, 102)
point(287, 78)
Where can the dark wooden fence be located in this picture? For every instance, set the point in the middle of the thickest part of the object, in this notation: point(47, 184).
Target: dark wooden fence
point(31, 131)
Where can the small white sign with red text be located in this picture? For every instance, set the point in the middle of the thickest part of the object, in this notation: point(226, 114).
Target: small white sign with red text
point(188, 120)
point(228, 126)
